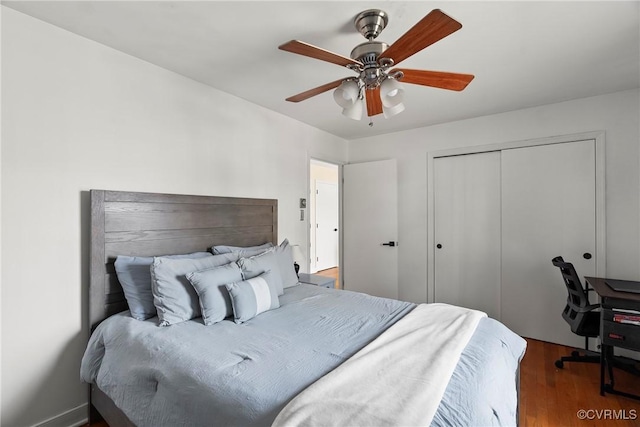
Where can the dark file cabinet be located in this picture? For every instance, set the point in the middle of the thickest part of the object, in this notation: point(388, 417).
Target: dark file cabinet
point(616, 333)
point(621, 335)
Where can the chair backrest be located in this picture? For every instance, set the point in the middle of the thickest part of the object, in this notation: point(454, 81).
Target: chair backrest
point(577, 301)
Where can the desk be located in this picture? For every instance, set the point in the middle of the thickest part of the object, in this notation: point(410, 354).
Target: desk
point(612, 333)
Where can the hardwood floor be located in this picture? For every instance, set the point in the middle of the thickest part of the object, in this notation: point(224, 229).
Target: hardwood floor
point(331, 272)
point(551, 397)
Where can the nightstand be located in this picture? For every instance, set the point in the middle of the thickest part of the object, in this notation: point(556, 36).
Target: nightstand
point(314, 279)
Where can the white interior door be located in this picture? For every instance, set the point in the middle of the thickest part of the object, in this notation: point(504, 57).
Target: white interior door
point(467, 224)
point(548, 209)
point(370, 218)
point(326, 225)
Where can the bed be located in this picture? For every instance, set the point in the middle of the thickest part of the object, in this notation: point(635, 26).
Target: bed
point(312, 361)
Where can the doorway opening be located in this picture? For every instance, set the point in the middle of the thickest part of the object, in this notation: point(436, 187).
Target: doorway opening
point(324, 219)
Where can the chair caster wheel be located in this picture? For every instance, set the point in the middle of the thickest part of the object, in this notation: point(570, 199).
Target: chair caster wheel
point(559, 364)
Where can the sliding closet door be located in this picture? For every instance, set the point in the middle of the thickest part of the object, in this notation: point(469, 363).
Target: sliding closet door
point(467, 224)
point(548, 209)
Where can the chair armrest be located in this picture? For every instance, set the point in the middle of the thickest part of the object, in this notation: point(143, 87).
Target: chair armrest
point(588, 308)
point(592, 307)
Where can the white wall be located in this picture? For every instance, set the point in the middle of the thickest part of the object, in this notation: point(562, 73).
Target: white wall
point(77, 115)
point(617, 114)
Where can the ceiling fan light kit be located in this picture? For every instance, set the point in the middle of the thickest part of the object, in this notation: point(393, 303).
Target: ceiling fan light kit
point(348, 96)
point(347, 93)
point(388, 112)
point(375, 83)
point(391, 95)
point(355, 111)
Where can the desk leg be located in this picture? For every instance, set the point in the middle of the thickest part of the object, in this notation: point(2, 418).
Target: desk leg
point(607, 358)
point(603, 362)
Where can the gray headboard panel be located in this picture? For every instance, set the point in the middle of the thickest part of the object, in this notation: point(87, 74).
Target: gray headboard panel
point(148, 224)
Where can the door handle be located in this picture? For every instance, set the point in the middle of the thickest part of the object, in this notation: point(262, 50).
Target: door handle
point(389, 244)
point(586, 255)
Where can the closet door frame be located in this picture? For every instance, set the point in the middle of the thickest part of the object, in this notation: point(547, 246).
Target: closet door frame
point(597, 136)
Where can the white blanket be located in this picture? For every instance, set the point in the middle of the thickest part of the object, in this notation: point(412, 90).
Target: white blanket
point(397, 380)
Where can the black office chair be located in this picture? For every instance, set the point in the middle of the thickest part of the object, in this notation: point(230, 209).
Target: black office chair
point(578, 313)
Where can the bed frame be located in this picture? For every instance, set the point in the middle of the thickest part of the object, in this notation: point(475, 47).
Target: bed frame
point(149, 224)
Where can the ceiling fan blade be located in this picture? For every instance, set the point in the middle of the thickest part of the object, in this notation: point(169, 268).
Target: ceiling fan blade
point(374, 102)
point(433, 27)
point(439, 79)
point(302, 48)
point(315, 91)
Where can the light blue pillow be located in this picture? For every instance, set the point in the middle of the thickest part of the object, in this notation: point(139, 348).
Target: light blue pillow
point(256, 265)
point(284, 255)
point(135, 277)
point(278, 260)
point(174, 297)
point(223, 249)
point(215, 302)
point(252, 297)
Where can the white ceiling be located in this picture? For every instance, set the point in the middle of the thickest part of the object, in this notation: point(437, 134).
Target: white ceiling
point(523, 54)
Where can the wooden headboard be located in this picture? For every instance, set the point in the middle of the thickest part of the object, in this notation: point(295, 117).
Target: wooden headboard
point(148, 224)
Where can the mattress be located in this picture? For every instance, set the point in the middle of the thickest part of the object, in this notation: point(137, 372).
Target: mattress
point(230, 374)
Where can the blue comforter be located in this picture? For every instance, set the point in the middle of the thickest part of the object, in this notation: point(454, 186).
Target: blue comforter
point(227, 374)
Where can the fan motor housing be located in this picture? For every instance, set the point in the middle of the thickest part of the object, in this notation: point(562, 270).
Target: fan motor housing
point(368, 52)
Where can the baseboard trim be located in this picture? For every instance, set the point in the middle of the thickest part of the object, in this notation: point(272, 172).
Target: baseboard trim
point(72, 418)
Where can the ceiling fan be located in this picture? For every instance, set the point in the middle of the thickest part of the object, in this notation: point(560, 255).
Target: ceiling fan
point(376, 80)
